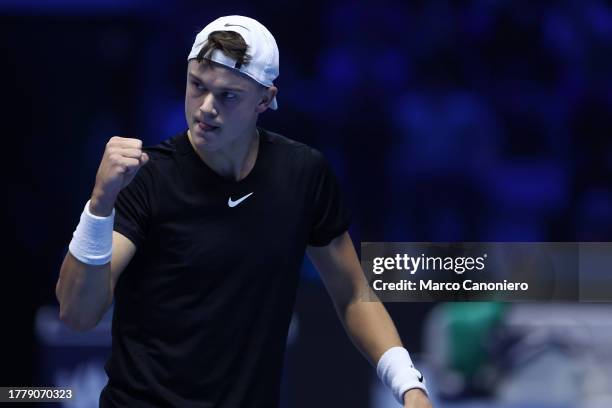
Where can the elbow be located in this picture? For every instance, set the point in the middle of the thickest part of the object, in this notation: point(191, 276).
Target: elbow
point(76, 322)
point(346, 295)
point(343, 305)
point(58, 292)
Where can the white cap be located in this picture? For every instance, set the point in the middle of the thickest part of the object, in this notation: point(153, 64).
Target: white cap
point(261, 48)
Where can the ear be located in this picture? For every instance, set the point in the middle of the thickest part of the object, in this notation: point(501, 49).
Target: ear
point(266, 98)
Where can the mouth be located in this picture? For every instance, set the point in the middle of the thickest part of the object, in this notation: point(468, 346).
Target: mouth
point(205, 126)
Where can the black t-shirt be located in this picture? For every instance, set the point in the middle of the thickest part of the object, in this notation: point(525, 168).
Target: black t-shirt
point(202, 310)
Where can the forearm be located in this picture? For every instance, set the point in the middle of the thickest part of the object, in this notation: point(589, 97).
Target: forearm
point(367, 322)
point(83, 292)
point(370, 327)
point(84, 286)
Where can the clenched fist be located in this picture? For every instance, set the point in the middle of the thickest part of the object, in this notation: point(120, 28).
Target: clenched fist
point(122, 159)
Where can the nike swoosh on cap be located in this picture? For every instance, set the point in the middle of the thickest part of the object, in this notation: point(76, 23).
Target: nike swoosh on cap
point(235, 25)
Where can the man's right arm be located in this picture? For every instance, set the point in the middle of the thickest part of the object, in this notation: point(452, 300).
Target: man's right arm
point(84, 290)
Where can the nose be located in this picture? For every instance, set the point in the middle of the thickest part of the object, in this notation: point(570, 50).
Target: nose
point(208, 105)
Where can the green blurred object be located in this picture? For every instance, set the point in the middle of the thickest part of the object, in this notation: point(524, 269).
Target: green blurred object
point(470, 325)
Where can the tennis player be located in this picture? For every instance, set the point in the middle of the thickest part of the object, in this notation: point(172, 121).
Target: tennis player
point(199, 241)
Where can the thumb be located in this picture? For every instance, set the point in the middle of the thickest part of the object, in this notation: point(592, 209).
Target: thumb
point(144, 158)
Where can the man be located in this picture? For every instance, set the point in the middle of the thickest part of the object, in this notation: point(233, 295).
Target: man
point(199, 240)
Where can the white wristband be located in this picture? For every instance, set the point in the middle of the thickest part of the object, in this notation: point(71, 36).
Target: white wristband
point(92, 241)
point(396, 371)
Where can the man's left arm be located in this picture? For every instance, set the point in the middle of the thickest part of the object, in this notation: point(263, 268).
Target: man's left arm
point(366, 322)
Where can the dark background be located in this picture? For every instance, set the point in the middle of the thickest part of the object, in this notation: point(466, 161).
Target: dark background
point(444, 121)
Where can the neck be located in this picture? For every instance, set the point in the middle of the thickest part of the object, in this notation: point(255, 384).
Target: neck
point(235, 161)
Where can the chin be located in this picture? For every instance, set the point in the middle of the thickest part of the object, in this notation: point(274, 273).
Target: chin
point(201, 139)
point(204, 144)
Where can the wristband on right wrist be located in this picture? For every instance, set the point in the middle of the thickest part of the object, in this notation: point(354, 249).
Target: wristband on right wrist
point(92, 241)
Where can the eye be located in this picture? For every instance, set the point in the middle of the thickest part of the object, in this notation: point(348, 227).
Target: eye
point(229, 96)
point(198, 85)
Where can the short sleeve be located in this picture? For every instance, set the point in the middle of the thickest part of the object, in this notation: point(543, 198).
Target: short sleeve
point(133, 206)
point(330, 216)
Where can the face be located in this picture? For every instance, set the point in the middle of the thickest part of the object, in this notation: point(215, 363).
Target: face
point(222, 105)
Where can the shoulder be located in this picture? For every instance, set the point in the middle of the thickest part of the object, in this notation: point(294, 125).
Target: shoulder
point(166, 148)
point(161, 155)
point(292, 152)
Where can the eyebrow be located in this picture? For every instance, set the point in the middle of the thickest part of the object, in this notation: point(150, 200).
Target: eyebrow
point(223, 88)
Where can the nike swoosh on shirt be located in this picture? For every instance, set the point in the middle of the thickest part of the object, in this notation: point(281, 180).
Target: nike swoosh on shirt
point(231, 203)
